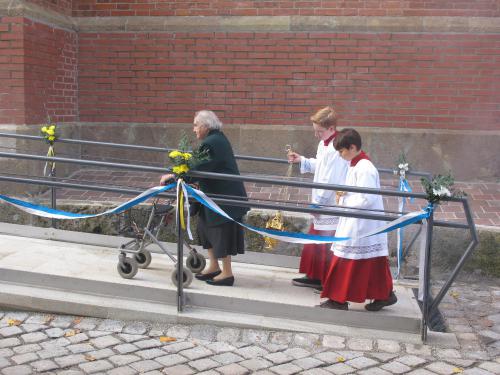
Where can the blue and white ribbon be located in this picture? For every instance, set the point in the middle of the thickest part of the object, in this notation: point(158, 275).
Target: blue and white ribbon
point(292, 237)
point(64, 215)
point(403, 186)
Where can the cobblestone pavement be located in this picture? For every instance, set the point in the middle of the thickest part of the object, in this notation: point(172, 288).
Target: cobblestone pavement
point(32, 343)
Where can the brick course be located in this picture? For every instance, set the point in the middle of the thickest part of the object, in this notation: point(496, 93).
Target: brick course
point(476, 8)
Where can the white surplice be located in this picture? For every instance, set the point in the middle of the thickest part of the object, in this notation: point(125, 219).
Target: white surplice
point(362, 174)
point(328, 168)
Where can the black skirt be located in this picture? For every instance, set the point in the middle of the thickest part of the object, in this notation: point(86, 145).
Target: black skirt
point(225, 239)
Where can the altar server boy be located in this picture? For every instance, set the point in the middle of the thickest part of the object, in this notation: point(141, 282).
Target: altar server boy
point(328, 168)
point(359, 269)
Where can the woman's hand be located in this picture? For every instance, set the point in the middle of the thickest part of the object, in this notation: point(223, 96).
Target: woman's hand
point(293, 157)
point(166, 178)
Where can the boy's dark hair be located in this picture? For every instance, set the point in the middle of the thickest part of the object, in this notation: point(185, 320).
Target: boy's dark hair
point(347, 137)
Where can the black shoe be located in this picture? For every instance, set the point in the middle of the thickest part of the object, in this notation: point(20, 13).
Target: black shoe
point(207, 276)
point(318, 290)
point(378, 304)
point(228, 281)
point(331, 304)
point(305, 281)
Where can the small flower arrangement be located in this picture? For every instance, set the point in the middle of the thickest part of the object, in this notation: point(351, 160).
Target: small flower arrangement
point(402, 166)
point(50, 133)
point(440, 186)
point(183, 159)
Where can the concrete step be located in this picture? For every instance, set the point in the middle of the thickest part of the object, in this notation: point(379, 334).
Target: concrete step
point(82, 279)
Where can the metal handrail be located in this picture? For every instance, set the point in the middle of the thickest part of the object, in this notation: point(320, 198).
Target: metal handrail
point(344, 212)
point(165, 149)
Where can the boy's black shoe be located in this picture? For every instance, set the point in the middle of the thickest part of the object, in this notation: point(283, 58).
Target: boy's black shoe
point(378, 304)
point(307, 282)
point(331, 304)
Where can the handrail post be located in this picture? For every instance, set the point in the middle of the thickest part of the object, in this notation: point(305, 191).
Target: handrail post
point(427, 272)
point(53, 196)
point(180, 256)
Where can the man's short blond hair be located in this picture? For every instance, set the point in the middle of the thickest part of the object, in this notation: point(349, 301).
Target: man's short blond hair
point(325, 117)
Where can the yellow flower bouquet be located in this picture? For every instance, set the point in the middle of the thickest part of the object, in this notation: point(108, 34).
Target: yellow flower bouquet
point(183, 159)
point(50, 133)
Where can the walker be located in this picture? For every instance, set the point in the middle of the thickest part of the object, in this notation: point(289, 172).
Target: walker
point(160, 216)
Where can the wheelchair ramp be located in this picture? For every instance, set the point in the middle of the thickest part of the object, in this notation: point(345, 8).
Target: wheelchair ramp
point(79, 279)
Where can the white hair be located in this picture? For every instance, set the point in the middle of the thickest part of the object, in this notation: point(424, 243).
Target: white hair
point(208, 119)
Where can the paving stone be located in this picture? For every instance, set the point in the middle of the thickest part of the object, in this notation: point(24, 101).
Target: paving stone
point(111, 325)
point(278, 358)
point(60, 342)
point(254, 336)
point(44, 365)
point(150, 353)
point(95, 366)
point(135, 328)
point(62, 321)
point(374, 371)
point(286, 369)
point(361, 362)
point(307, 363)
point(79, 337)
point(396, 367)
point(334, 342)
point(227, 358)
point(28, 348)
point(94, 334)
point(125, 370)
point(308, 340)
point(15, 315)
point(448, 353)
point(70, 372)
point(349, 354)
point(80, 348)
point(87, 324)
point(128, 338)
point(233, 369)
point(178, 346)
point(340, 368)
point(327, 357)
point(10, 331)
point(146, 365)
point(296, 353)
point(52, 352)
point(477, 371)
point(281, 338)
point(70, 360)
point(220, 347)
point(104, 341)
point(4, 363)
point(178, 331)
point(37, 319)
point(316, 371)
point(255, 364)
point(360, 344)
point(24, 358)
point(440, 368)
point(388, 346)
point(123, 359)
point(421, 371)
point(149, 343)
point(33, 337)
point(195, 353)
point(9, 342)
point(179, 370)
point(229, 335)
point(203, 364)
point(125, 348)
point(271, 348)
point(171, 360)
point(251, 352)
point(100, 354)
point(384, 357)
point(203, 332)
point(54, 332)
point(208, 372)
point(33, 327)
point(17, 370)
point(411, 360)
point(418, 349)
point(6, 353)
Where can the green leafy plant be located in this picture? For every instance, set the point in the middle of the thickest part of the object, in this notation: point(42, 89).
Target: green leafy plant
point(440, 186)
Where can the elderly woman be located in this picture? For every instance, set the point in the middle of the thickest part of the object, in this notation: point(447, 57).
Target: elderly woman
point(223, 238)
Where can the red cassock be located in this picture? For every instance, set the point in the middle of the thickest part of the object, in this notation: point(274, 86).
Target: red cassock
point(315, 258)
point(357, 280)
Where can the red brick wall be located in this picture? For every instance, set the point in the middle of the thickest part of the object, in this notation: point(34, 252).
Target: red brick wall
point(11, 70)
point(470, 8)
point(51, 73)
point(384, 80)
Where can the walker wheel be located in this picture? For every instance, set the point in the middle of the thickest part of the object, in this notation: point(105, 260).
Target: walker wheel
point(127, 267)
point(196, 262)
point(187, 277)
point(143, 258)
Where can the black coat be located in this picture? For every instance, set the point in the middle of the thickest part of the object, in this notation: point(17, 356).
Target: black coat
point(220, 160)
